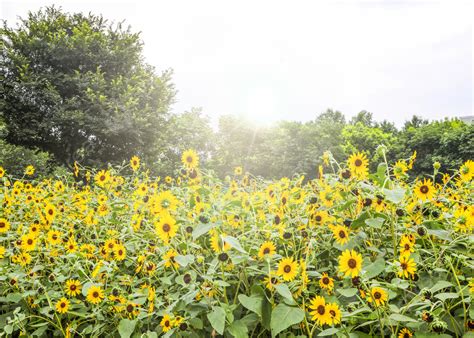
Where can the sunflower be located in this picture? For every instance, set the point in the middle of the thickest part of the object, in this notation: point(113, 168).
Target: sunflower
point(334, 313)
point(270, 281)
point(73, 287)
point(405, 333)
point(166, 228)
point(238, 171)
point(2, 172)
point(378, 295)
point(169, 257)
point(358, 165)
point(62, 305)
point(319, 311)
point(135, 163)
point(28, 242)
point(29, 170)
point(406, 246)
point(326, 282)
point(50, 212)
point(2, 251)
point(120, 252)
point(399, 169)
point(166, 323)
point(4, 225)
point(407, 266)
point(287, 269)
point(350, 263)
point(102, 178)
point(190, 159)
point(164, 201)
point(466, 171)
point(54, 237)
point(341, 234)
point(425, 190)
point(267, 249)
point(95, 294)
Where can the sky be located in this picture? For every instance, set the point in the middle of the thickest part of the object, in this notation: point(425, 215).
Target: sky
point(272, 60)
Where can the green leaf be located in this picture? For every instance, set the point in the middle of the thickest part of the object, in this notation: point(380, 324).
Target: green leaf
point(443, 234)
point(347, 292)
point(126, 327)
point(201, 229)
point(442, 284)
point(376, 222)
point(238, 329)
point(394, 195)
point(8, 329)
point(217, 319)
point(234, 242)
point(14, 297)
point(285, 292)
point(328, 332)
point(374, 269)
point(283, 316)
point(184, 260)
point(447, 295)
point(253, 303)
point(401, 318)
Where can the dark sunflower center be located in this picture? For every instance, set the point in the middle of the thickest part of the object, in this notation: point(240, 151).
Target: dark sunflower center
point(407, 246)
point(333, 313)
point(342, 234)
point(318, 218)
point(424, 189)
point(325, 280)
point(2, 225)
point(50, 211)
point(102, 178)
point(321, 309)
point(377, 295)
point(352, 263)
point(129, 308)
point(95, 294)
point(167, 323)
point(63, 305)
point(72, 287)
point(404, 266)
point(266, 251)
point(30, 241)
point(358, 162)
point(287, 269)
point(189, 159)
point(166, 227)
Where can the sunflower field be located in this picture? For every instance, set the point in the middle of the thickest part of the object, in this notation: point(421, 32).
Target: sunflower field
point(118, 253)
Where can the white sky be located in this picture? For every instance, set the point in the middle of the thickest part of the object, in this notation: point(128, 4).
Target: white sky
point(272, 60)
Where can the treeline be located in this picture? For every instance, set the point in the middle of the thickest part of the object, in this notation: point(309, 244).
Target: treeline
point(76, 87)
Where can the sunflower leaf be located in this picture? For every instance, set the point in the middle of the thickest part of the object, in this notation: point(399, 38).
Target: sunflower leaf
point(283, 316)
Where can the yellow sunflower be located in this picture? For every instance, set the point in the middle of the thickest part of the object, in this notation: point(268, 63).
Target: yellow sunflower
point(326, 282)
point(466, 171)
point(4, 225)
point(378, 295)
point(2, 172)
point(238, 171)
point(2, 251)
point(350, 263)
point(135, 163)
point(405, 333)
point(341, 234)
point(166, 323)
point(62, 306)
point(406, 246)
point(102, 178)
point(169, 257)
point(29, 170)
point(266, 249)
point(166, 228)
point(319, 312)
point(424, 190)
point(334, 313)
point(95, 294)
point(120, 252)
point(73, 287)
point(54, 237)
point(190, 159)
point(287, 269)
point(358, 165)
point(28, 242)
point(399, 169)
point(407, 266)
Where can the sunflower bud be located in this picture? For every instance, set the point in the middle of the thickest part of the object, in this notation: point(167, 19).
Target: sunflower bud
point(436, 165)
point(438, 326)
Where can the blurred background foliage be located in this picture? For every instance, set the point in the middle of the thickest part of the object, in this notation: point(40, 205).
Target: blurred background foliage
point(76, 88)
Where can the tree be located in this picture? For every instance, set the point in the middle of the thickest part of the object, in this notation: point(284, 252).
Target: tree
point(78, 87)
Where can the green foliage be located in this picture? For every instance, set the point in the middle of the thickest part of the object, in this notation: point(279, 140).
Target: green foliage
point(14, 159)
point(77, 87)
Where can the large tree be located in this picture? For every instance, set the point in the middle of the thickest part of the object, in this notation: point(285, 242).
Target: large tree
point(78, 87)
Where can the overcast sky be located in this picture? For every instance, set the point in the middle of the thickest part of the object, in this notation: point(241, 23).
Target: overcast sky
point(272, 60)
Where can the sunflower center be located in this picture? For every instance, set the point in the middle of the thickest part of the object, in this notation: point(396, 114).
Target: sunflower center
point(266, 251)
point(72, 287)
point(129, 308)
point(102, 178)
point(404, 266)
point(287, 269)
point(377, 295)
point(342, 234)
point(333, 313)
point(50, 211)
point(2, 225)
point(321, 309)
point(189, 159)
point(30, 241)
point(63, 305)
point(318, 218)
point(167, 323)
point(352, 263)
point(424, 189)
point(407, 246)
point(95, 294)
point(358, 162)
point(166, 227)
